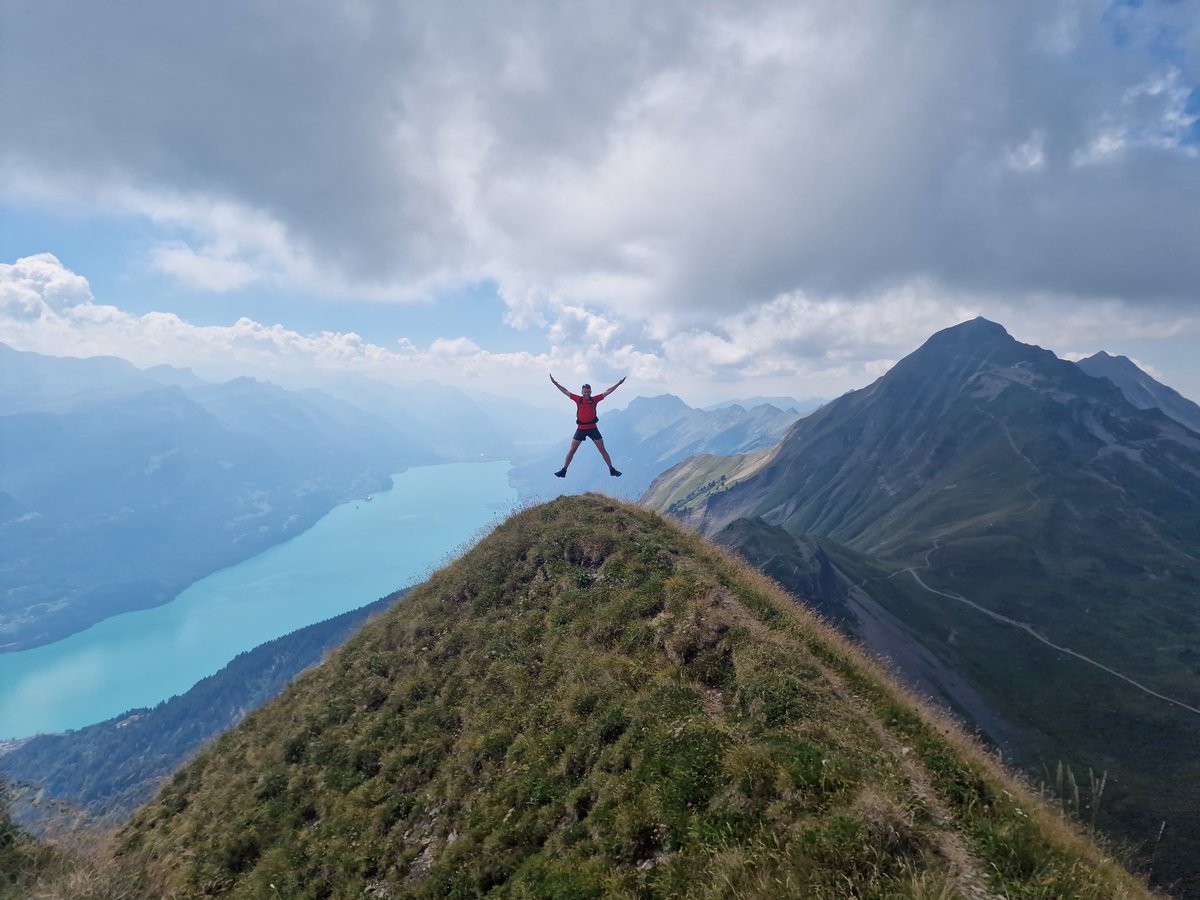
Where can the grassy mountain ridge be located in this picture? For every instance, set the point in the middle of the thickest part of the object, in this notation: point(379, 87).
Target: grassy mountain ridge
point(23, 860)
point(594, 702)
point(698, 476)
point(1017, 523)
point(100, 773)
point(1120, 757)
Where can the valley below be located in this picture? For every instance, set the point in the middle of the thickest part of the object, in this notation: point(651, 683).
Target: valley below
point(1008, 535)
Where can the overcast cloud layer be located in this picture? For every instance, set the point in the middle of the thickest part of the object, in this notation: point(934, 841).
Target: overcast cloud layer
point(737, 189)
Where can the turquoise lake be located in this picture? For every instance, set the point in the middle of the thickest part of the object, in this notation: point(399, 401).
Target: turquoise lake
point(359, 552)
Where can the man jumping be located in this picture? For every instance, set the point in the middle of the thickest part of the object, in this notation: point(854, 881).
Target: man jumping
point(585, 423)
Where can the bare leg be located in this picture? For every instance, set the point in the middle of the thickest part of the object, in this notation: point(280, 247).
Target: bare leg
point(571, 454)
point(600, 446)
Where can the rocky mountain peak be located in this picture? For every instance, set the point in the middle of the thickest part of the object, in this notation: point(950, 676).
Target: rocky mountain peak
point(1141, 389)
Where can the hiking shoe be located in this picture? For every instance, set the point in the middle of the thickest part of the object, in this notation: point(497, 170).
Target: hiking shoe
point(613, 472)
point(561, 473)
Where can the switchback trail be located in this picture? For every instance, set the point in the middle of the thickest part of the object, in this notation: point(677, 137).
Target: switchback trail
point(1028, 629)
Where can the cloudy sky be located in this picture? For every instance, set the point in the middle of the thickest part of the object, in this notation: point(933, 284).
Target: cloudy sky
point(718, 199)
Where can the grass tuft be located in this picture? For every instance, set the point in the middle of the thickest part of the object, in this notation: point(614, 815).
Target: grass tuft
point(594, 702)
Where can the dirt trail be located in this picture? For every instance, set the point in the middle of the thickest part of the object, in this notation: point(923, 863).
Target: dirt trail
point(1024, 626)
point(964, 870)
point(1029, 629)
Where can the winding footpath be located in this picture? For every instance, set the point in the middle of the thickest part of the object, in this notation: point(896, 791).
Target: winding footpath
point(1028, 629)
point(1025, 626)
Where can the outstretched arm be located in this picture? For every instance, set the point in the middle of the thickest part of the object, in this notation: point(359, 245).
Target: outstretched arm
point(615, 386)
point(559, 386)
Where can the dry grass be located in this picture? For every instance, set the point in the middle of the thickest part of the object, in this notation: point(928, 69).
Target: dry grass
point(82, 864)
point(595, 702)
point(1078, 861)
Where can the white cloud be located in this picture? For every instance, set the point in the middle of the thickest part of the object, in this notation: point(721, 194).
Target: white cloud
point(1104, 146)
point(803, 335)
point(204, 270)
point(454, 347)
point(1150, 370)
point(1167, 121)
point(793, 344)
point(1101, 322)
point(689, 191)
point(46, 308)
point(1152, 114)
point(678, 155)
point(38, 287)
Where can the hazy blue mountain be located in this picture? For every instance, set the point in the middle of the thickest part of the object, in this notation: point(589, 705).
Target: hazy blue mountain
point(525, 422)
point(1141, 389)
point(172, 375)
point(32, 382)
point(309, 425)
point(121, 490)
point(459, 426)
point(788, 404)
point(1020, 539)
point(104, 771)
point(648, 436)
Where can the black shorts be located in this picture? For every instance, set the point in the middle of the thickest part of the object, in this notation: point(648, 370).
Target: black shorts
point(582, 434)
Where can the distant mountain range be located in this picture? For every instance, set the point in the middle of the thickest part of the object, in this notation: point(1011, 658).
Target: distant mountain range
point(122, 486)
point(594, 703)
point(1021, 540)
point(458, 426)
point(787, 404)
point(646, 437)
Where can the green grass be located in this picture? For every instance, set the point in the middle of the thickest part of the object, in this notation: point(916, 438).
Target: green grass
point(594, 703)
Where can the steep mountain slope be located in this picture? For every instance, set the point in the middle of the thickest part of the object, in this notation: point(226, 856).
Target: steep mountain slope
point(1021, 540)
point(645, 438)
point(1141, 389)
point(23, 861)
point(594, 702)
point(101, 773)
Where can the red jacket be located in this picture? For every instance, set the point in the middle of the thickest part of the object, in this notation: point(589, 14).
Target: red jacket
point(585, 410)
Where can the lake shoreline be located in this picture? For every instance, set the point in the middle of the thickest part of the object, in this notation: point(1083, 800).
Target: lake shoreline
point(355, 554)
